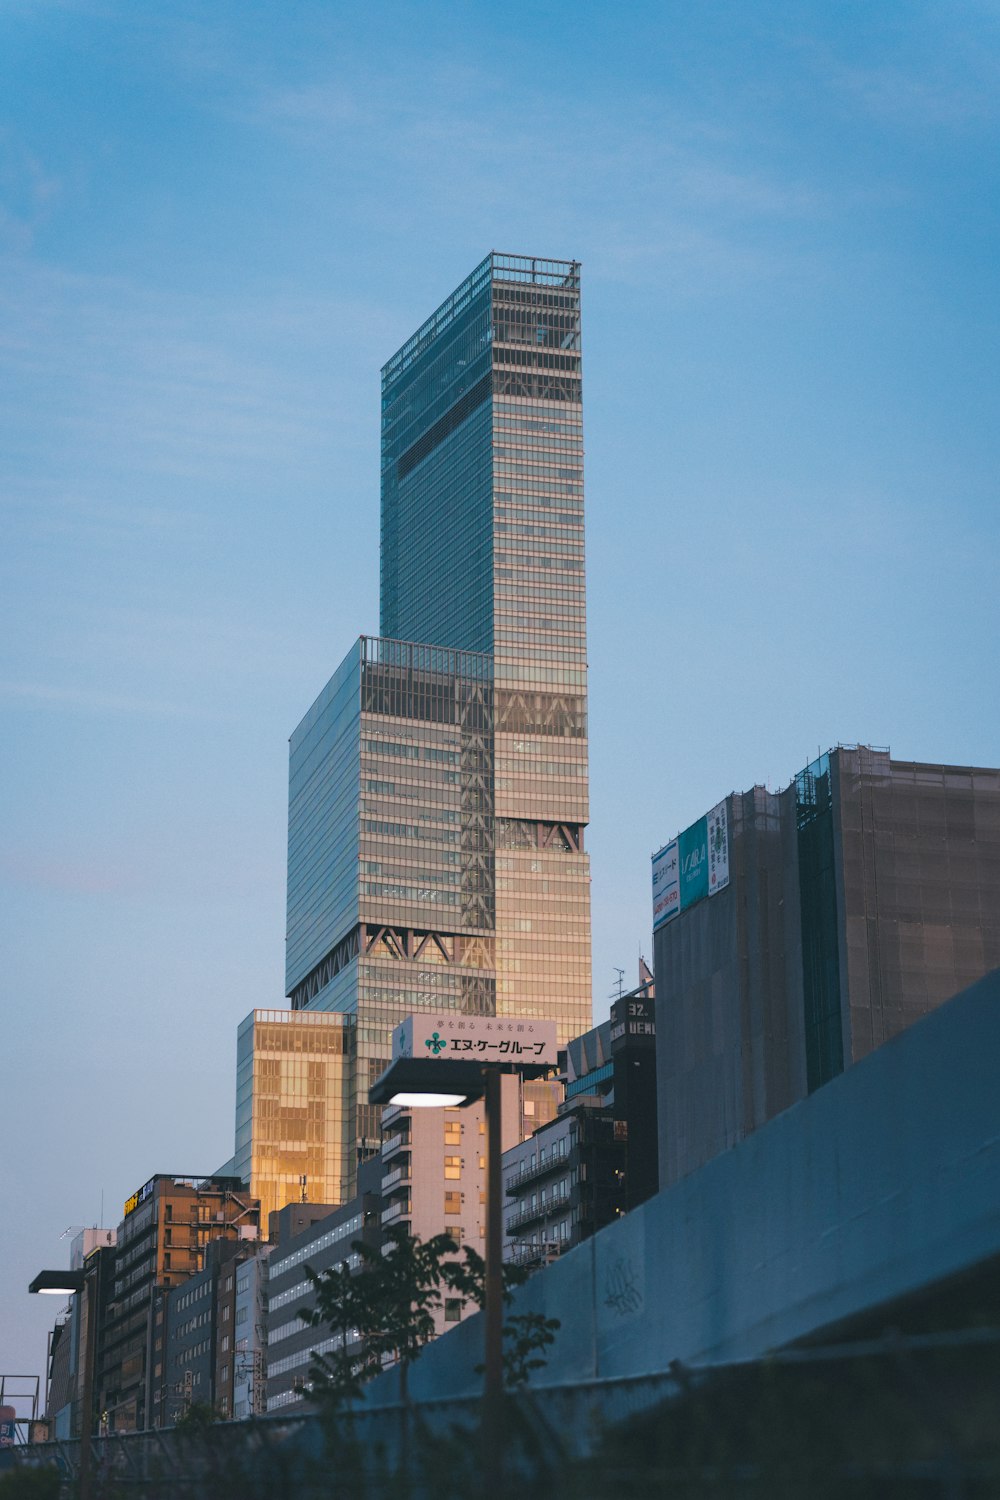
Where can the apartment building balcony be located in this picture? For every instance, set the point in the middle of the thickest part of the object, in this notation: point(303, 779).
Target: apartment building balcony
point(534, 1252)
point(533, 1174)
point(531, 1215)
point(394, 1145)
point(400, 1176)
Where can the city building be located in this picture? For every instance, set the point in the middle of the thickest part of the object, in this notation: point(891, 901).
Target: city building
point(162, 1240)
point(596, 1159)
point(294, 1087)
point(563, 1184)
point(795, 932)
point(246, 1376)
point(91, 1250)
point(307, 1244)
point(438, 788)
point(633, 1074)
point(193, 1333)
point(434, 1173)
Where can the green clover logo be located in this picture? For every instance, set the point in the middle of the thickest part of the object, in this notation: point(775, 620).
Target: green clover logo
point(436, 1043)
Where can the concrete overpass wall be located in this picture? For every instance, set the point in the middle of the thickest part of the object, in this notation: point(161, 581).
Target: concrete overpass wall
point(882, 1182)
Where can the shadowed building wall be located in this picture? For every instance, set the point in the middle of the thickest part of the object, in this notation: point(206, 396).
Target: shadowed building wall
point(860, 897)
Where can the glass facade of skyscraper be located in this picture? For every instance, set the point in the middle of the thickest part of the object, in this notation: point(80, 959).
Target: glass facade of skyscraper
point(438, 786)
point(294, 1105)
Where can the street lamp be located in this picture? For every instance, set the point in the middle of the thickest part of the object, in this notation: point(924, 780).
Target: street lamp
point(427, 1073)
point(68, 1284)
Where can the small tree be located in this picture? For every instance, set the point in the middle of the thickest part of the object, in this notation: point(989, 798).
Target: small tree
point(384, 1311)
point(336, 1378)
point(525, 1335)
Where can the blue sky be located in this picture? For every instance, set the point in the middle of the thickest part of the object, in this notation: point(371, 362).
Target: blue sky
point(216, 222)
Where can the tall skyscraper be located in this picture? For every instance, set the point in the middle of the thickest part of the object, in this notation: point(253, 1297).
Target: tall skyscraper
point(438, 786)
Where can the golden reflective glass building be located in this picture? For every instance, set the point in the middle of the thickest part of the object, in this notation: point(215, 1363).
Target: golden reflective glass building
point(438, 791)
point(294, 1093)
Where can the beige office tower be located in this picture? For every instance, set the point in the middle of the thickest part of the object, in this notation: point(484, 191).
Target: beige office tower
point(294, 1093)
point(438, 792)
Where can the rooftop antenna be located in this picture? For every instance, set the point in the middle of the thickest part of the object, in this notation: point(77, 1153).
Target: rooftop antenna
point(621, 977)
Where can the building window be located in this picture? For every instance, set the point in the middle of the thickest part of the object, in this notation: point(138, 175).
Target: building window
point(452, 1133)
point(453, 1166)
point(453, 1203)
point(453, 1309)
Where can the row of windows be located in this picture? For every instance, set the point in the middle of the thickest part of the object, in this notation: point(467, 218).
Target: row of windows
point(193, 1295)
point(195, 1352)
point(528, 417)
point(536, 487)
point(430, 814)
point(570, 592)
point(426, 895)
point(293, 1294)
point(520, 544)
point(198, 1321)
point(412, 831)
point(331, 1237)
point(518, 526)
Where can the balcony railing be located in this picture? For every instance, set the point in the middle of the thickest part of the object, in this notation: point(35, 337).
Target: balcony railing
point(396, 1211)
point(534, 1252)
point(402, 1175)
point(394, 1145)
point(540, 1211)
point(532, 1174)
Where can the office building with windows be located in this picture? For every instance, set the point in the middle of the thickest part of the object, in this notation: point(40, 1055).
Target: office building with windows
point(438, 790)
point(294, 1082)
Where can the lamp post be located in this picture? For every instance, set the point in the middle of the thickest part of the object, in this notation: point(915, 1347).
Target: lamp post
point(65, 1284)
point(446, 1075)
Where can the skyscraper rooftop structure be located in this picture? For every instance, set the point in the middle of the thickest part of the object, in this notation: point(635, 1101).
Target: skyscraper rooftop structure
point(438, 790)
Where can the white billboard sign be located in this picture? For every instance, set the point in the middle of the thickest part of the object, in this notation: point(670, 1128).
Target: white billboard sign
point(718, 849)
point(499, 1039)
point(666, 884)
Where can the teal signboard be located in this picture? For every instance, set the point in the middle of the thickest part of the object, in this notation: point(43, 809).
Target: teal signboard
point(693, 865)
point(693, 850)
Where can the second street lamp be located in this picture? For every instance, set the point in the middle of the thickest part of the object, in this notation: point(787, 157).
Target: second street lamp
point(70, 1283)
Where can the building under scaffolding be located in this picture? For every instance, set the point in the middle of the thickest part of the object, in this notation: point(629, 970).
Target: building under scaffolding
point(855, 901)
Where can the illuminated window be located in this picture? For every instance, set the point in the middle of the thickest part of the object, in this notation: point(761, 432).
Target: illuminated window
point(452, 1133)
point(453, 1203)
point(453, 1166)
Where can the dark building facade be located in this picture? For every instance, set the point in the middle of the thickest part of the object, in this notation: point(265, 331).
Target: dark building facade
point(859, 898)
point(192, 1332)
point(307, 1242)
point(633, 1103)
point(597, 1158)
point(92, 1251)
point(162, 1241)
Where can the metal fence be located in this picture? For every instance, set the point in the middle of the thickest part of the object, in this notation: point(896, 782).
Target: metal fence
point(891, 1416)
